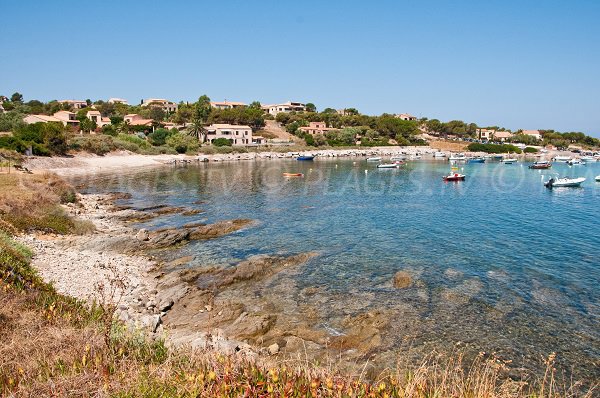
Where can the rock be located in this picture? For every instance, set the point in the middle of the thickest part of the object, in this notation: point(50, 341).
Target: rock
point(208, 308)
point(165, 305)
point(151, 322)
point(273, 348)
point(402, 280)
point(218, 229)
point(142, 235)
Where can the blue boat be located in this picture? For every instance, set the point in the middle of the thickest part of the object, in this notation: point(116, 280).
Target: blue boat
point(306, 157)
point(477, 160)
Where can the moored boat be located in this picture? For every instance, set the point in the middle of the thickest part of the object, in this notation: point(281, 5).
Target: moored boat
point(305, 157)
point(374, 159)
point(509, 160)
point(454, 177)
point(576, 162)
point(457, 157)
point(389, 165)
point(561, 159)
point(398, 157)
point(543, 164)
point(293, 175)
point(439, 155)
point(564, 182)
point(589, 159)
point(477, 160)
point(598, 178)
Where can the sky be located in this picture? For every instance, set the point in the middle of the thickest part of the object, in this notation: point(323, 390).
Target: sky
point(517, 64)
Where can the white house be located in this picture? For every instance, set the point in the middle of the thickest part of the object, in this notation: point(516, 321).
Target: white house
point(406, 116)
point(31, 119)
point(117, 101)
point(227, 105)
point(166, 105)
point(68, 118)
point(95, 116)
point(238, 135)
point(74, 103)
point(533, 133)
point(284, 108)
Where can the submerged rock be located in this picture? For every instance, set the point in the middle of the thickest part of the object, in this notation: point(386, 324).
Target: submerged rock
point(402, 280)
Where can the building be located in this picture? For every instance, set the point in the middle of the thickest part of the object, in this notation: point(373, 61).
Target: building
point(166, 105)
point(76, 104)
point(117, 101)
point(502, 136)
point(136, 120)
point(533, 133)
point(68, 118)
point(31, 119)
point(316, 128)
point(258, 140)
point(95, 116)
point(227, 105)
point(284, 108)
point(406, 116)
point(493, 135)
point(238, 135)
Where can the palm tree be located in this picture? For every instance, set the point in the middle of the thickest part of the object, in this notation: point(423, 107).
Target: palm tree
point(197, 129)
point(124, 127)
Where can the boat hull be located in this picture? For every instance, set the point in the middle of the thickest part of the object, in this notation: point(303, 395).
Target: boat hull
point(305, 158)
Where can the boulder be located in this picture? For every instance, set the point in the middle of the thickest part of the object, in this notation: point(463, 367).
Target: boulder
point(402, 280)
point(142, 235)
point(273, 348)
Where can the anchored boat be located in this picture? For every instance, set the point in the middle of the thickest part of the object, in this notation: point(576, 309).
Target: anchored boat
point(564, 182)
point(540, 165)
point(576, 162)
point(293, 175)
point(375, 159)
point(305, 157)
point(477, 160)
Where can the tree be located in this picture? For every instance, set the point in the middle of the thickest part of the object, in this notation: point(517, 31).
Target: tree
point(157, 113)
point(202, 112)
point(16, 97)
point(329, 110)
point(221, 142)
point(88, 102)
point(55, 138)
point(255, 105)
point(310, 107)
point(87, 125)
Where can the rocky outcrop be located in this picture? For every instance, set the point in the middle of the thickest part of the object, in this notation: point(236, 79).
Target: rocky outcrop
point(402, 280)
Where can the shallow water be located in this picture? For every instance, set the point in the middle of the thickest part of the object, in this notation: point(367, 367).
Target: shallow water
point(500, 263)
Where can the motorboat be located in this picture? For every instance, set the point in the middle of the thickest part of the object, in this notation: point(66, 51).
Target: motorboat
point(457, 157)
point(293, 175)
point(564, 182)
point(477, 160)
point(374, 159)
point(561, 159)
point(576, 162)
point(509, 160)
point(397, 158)
point(589, 159)
point(439, 155)
point(415, 157)
point(542, 164)
point(389, 165)
point(454, 177)
point(305, 157)
point(597, 178)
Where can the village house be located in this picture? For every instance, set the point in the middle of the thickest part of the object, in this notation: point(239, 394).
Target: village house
point(76, 104)
point(406, 116)
point(136, 120)
point(68, 118)
point(533, 133)
point(284, 108)
point(227, 105)
point(493, 135)
point(502, 136)
point(96, 117)
point(31, 119)
point(316, 128)
point(237, 134)
point(117, 101)
point(165, 105)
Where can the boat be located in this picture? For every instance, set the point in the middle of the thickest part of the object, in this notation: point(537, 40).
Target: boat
point(477, 160)
point(598, 178)
point(543, 164)
point(498, 157)
point(305, 157)
point(576, 162)
point(454, 177)
point(388, 165)
point(375, 159)
point(399, 157)
point(439, 155)
point(457, 157)
point(509, 160)
point(415, 157)
point(564, 182)
point(561, 159)
point(589, 159)
point(293, 175)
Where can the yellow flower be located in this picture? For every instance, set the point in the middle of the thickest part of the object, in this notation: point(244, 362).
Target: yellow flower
point(269, 388)
point(212, 375)
point(381, 386)
point(329, 384)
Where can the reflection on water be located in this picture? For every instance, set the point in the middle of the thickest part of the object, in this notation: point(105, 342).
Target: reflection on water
point(499, 263)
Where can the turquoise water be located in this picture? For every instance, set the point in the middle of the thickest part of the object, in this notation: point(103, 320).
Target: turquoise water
point(500, 263)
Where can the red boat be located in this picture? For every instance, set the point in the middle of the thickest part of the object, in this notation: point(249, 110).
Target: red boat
point(541, 165)
point(454, 177)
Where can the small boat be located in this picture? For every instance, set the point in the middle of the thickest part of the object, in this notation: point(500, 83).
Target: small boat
point(305, 157)
point(576, 162)
point(454, 177)
point(597, 178)
point(589, 159)
point(388, 165)
point(415, 157)
point(457, 157)
point(563, 182)
point(509, 160)
point(477, 160)
point(375, 159)
point(399, 157)
point(439, 155)
point(540, 165)
point(293, 175)
point(561, 159)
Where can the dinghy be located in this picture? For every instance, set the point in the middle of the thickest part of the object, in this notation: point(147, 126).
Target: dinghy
point(563, 182)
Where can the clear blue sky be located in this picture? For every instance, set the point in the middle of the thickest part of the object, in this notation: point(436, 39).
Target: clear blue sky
point(519, 64)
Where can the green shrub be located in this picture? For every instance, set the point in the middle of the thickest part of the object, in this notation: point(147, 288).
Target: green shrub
point(221, 142)
point(493, 148)
point(183, 143)
point(96, 144)
point(159, 137)
point(530, 149)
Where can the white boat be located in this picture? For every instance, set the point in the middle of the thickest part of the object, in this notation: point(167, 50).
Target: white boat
point(588, 159)
point(399, 157)
point(375, 159)
point(598, 178)
point(561, 159)
point(576, 162)
point(439, 155)
point(564, 182)
point(509, 160)
point(457, 157)
point(388, 166)
point(415, 156)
